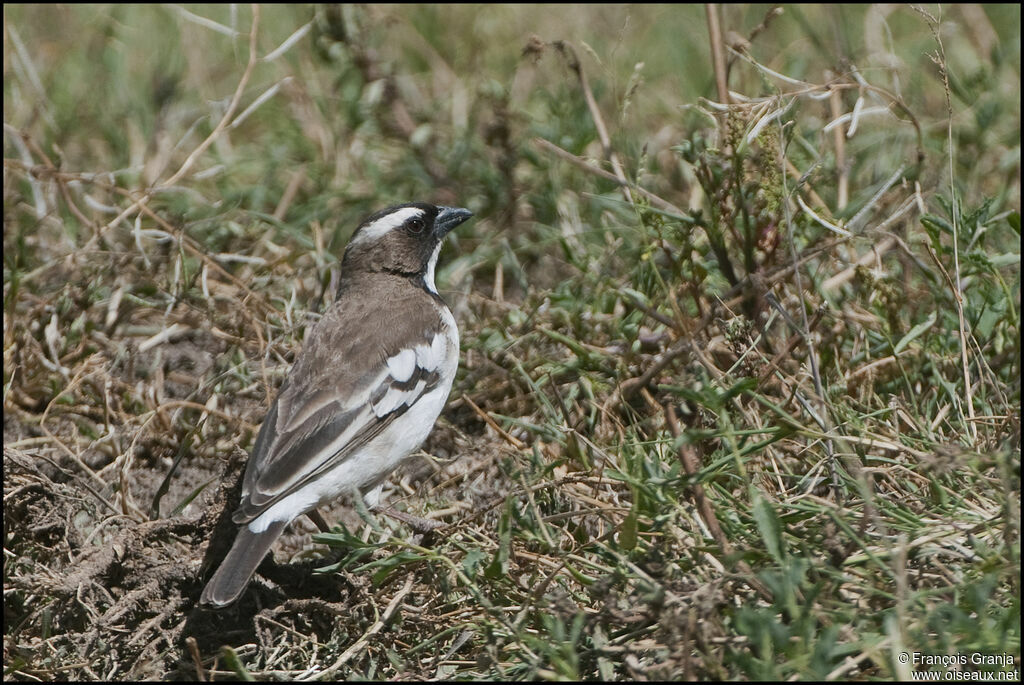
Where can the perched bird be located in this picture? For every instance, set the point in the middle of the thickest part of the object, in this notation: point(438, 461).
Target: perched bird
point(372, 378)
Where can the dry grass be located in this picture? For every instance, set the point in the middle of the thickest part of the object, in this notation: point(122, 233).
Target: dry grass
point(740, 386)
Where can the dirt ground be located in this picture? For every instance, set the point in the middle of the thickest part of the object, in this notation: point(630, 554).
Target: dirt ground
point(109, 597)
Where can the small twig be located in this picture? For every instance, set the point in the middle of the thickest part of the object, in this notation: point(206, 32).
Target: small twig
point(691, 465)
point(730, 298)
point(774, 11)
point(14, 454)
point(854, 222)
point(298, 176)
point(798, 176)
point(196, 250)
point(317, 518)
point(655, 314)
point(839, 230)
point(232, 106)
point(401, 123)
point(510, 439)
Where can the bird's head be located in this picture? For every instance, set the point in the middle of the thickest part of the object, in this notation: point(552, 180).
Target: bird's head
point(403, 240)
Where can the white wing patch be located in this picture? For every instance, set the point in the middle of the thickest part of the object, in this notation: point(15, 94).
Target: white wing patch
point(384, 224)
point(402, 365)
point(430, 357)
point(396, 397)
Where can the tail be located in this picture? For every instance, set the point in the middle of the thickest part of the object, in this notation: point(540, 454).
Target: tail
point(239, 565)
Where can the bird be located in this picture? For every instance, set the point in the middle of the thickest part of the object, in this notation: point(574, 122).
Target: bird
point(371, 380)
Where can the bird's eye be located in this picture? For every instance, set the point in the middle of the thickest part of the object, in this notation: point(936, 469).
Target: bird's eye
point(415, 225)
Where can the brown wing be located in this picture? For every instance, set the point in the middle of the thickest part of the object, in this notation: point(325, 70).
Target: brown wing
point(350, 382)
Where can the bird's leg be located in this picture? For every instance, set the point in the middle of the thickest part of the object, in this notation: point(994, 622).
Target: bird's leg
point(318, 520)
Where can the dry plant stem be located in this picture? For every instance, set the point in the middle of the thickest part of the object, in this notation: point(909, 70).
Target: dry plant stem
point(691, 465)
point(839, 136)
point(16, 454)
point(979, 28)
point(582, 164)
point(958, 296)
point(512, 440)
point(197, 660)
point(788, 347)
point(65, 193)
point(812, 357)
point(75, 457)
point(196, 250)
point(807, 88)
point(196, 153)
point(569, 52)
point(872, 255)
point(363, 641)
point(630, 387)
point(190, 245)
point(297, 177)
point(717, 53)
point(797, 175)
point(655, 314)
point(417, 523)
point(564, 481)
point(774, 11)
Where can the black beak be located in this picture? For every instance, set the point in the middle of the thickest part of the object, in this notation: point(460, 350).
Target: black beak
point(448, 218)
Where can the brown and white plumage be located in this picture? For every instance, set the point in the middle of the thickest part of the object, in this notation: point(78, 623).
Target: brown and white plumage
point(372, 378)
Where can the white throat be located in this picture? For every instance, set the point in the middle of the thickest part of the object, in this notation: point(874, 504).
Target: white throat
point(428, 278)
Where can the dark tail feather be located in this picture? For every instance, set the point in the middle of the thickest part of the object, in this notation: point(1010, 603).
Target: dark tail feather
point(239, 565)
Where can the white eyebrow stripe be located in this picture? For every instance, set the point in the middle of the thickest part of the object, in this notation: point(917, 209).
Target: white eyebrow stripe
point(402, 365)
point(386, 223)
